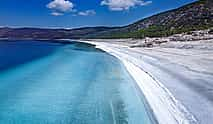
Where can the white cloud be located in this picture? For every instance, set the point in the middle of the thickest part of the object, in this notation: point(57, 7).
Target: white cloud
point(87, 13)
point(57, 14)
point(61, 5)
point(119, 5)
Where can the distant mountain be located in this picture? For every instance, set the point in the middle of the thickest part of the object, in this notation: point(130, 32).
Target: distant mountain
point(37, 33)
point(194, 16)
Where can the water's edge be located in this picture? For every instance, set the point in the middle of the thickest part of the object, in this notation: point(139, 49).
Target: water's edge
point(163, 105)
point(148, 108)
point(42, 82)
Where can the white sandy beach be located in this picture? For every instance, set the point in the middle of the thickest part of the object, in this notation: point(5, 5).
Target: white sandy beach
point(176, 77)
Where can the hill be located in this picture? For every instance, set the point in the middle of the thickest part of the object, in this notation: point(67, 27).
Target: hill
point(37, 33)
point(194, 16)
point(191, 17)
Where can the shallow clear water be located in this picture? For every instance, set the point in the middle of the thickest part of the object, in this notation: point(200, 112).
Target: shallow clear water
point(50, 83)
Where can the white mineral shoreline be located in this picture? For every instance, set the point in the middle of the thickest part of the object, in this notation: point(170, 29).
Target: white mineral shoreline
point(165, 107)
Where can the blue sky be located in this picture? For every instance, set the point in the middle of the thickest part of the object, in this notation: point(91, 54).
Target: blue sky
point(80, 13)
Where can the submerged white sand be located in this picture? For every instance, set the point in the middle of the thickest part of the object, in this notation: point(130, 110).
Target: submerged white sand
point(175, 77)
point(166, 108)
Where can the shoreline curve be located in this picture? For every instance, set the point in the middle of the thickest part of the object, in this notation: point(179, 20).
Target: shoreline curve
point(165, 107)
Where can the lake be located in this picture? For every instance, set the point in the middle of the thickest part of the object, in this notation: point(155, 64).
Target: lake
point(45, 82)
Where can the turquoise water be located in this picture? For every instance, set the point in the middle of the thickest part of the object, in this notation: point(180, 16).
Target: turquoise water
point(51, 83)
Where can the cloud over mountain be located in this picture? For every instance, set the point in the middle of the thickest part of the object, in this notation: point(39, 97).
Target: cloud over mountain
point(57, 14)
point(60, 5)
point(120, 5)
point(87, 13)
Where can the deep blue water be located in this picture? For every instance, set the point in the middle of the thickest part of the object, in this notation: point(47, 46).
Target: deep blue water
point(52, 83)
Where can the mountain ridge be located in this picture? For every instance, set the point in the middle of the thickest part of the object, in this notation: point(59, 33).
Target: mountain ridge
point(194, 16)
